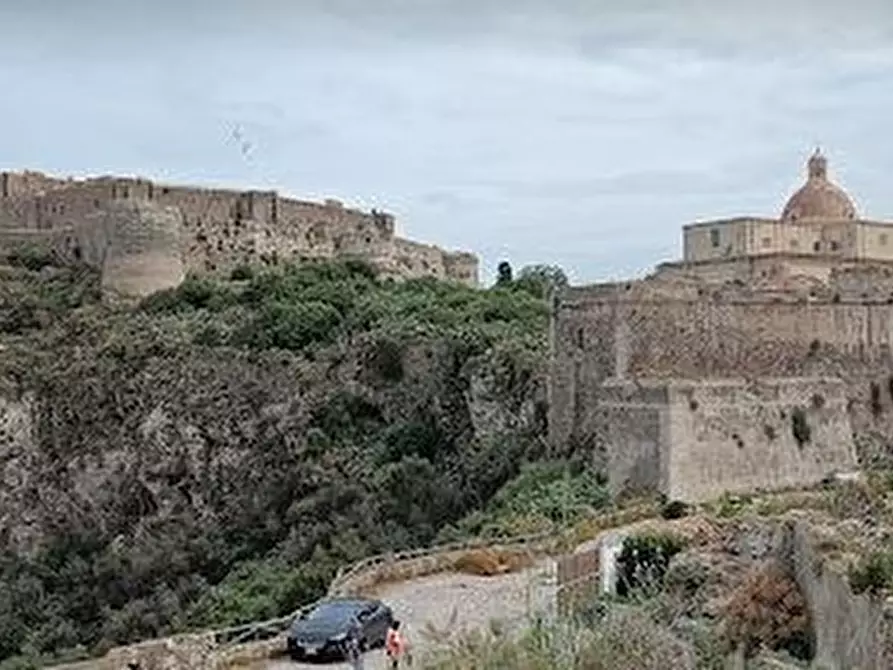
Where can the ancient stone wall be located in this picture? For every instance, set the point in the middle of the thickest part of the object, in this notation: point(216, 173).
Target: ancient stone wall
point(222, 229)
point(850, 629)
point(694, 331)
point(140, 247)
point(27, 183)
point(633, 424)
point(694, 440)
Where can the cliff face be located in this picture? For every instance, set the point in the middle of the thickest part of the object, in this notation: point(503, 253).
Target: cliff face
point(119, 447)
point(147, 455)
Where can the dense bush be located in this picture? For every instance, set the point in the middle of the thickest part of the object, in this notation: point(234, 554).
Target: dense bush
point(31, 257)
point(674, 509)
point(214, 455)
point(543, 496)
point(644, 560)
point(873, 574)
point(767, 611)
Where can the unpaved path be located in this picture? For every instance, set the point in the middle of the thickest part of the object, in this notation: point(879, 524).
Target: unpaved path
point(466, 600)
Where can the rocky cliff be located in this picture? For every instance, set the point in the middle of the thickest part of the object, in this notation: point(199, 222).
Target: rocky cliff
point(214, 454)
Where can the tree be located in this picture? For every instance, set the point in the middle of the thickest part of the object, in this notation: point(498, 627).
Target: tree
point(503, 274)
point(539, 280)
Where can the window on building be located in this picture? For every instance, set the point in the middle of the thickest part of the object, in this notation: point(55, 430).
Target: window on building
point(835, 245)
point(714, 238)
point(883, 239)
point(794, 244)
point(767, 241)
point(816, 246)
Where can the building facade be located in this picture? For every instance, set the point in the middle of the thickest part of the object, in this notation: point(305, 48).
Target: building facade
point(761, 359)
point(819, 232)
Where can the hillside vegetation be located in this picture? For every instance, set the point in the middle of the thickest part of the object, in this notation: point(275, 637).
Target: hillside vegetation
point(214, 454)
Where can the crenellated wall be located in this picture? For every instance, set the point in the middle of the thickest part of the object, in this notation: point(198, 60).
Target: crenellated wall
point(221, 229)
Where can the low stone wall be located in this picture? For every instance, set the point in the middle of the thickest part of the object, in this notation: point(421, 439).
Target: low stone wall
point(192, 652)
point(850, 629)
point(401, 568)
point(247, 654)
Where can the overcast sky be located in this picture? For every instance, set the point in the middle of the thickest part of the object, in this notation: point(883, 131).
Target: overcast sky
point(578, 132)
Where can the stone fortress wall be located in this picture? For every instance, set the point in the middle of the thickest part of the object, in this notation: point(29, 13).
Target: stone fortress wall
point(218, 229)
point(687, 381)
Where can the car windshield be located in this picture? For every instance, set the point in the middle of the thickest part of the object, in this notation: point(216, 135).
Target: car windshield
point(332, 611)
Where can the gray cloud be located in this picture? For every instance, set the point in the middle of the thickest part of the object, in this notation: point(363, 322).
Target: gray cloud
point(580, 132)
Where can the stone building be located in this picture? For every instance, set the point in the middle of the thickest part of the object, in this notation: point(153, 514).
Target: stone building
point(147, 236)
point(818, 232)
point(761, 359)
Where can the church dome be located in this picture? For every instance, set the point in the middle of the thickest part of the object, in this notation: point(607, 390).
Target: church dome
point(818, 198)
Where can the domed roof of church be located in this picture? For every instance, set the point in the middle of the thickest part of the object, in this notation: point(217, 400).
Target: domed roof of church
point(818, 198)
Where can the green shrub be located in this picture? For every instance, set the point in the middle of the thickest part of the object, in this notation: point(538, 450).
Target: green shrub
point(674, 509)
point(873, 574)
point(251, 466)
point(242, 273)
point(256, 591)
point(730, 505)
point(31, 257)
point(644, 559)
point(292, 326)
point(546, 493)
point(386, 358)
point(194, 293)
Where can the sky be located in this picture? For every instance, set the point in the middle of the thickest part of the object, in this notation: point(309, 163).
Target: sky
point(581, 133)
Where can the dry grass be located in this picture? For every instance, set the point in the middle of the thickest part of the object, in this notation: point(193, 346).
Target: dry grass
point(766, 610)
point(488, 562)
point(625, 639)
point(590, 527)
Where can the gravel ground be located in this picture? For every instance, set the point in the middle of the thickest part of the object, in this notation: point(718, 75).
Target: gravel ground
point(433, 601)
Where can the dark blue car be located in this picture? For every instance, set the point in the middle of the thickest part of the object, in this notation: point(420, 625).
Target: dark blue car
point(321, 632)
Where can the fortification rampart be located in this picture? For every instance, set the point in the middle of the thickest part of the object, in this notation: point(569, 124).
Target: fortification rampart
point(658, 337)
point(221, 229)
point(697, 439)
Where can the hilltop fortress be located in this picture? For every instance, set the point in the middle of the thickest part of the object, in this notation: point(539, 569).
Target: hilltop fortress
point(761, 360)
point(146, 236)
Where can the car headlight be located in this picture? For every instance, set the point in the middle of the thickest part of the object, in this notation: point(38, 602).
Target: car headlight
point(339, 638)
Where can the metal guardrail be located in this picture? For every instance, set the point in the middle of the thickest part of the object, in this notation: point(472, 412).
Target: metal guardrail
point(345, 574)
point(263, 630)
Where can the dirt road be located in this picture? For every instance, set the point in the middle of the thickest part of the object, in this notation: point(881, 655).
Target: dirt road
point(428, 605)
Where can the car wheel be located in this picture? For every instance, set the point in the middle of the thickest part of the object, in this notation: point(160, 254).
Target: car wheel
point(364, 646)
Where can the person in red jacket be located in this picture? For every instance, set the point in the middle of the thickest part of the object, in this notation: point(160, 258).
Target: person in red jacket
point(395, 645)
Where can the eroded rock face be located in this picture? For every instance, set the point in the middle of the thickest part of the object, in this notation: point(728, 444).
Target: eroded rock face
point(495, 411)
point(18, 465)
point(120, 450)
